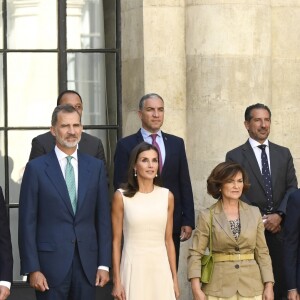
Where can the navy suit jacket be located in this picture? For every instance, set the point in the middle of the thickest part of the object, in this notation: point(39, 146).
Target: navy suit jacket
point(175, 175)
point(48, 228)
point(6, 258)
point(284, 180)
point(45, 142)
point(291, 242)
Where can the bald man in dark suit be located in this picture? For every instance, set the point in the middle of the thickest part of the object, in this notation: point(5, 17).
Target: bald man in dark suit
point(44, 143)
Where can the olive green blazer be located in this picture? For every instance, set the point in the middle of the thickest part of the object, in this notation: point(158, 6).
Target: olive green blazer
point(247, 276)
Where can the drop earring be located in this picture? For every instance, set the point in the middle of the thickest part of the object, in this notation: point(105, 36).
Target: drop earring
point(156, 175)
point(135, 173)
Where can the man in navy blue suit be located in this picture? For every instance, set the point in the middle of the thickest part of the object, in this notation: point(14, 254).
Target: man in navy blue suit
point(65, 245)
point(175, 172)
point(6, 257)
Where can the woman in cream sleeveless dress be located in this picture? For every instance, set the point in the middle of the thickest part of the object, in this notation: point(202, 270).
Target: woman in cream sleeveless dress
point(146, 269)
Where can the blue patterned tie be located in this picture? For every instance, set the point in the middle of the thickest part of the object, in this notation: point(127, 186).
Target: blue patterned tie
point(70, 181)
point(266, 178)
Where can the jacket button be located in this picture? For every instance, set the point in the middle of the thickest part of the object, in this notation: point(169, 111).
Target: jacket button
point(236, 266)
point(237, 249)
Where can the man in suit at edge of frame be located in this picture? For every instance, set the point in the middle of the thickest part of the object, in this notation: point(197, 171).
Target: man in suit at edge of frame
point(6, 257)
point(291, 246)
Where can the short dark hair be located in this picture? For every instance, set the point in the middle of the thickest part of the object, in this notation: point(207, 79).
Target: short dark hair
point(66, 108)
point(249, 109)
point(64, 93)
point(132, 186)
point(147, 96)
point(221, 174)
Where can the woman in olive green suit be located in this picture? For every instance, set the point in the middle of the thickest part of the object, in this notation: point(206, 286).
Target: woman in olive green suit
point(242, 262)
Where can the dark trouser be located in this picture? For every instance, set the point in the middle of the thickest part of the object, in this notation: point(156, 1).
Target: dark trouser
point(74, 287)
point(274, 242)
point(176, 239)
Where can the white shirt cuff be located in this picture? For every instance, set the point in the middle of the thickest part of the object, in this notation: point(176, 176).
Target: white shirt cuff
point(103, 268)
point(5, 283)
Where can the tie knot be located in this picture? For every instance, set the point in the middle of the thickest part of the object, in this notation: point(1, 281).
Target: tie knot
point(262, 147)
point(69, 158)
point(153, 136)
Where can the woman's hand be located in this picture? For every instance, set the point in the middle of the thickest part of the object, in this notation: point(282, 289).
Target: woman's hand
point(268, 293)
point(199, 295)
point(176, 289)
point(118, 291)
point(196, 289)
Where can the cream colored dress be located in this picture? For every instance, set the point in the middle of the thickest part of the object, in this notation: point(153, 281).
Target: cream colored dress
point(145, 269)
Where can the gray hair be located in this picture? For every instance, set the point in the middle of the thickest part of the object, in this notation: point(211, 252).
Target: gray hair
point(66, 108)
point(147, 96)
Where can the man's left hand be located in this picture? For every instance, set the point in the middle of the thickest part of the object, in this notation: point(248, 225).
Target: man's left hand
point(102, 278)
point(4, 292)
point(272, 222)
point(186, 232)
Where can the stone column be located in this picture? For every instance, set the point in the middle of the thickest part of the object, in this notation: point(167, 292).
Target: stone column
point(228, 48)
point(286, 76)
point(153, 60)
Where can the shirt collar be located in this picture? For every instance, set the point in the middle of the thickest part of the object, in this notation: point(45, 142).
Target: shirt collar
point(146, 133)
point(255, 143)
point(61, 155)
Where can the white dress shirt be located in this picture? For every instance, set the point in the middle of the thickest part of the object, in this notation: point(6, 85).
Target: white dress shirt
point(6, 284)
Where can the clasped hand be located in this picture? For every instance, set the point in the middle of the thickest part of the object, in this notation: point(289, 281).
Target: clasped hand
point(272, 222)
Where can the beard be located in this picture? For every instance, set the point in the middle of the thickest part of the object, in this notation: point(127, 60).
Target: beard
point(67, 144)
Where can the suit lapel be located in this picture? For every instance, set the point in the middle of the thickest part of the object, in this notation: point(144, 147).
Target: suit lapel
point(273, 163)
point(83, 179)
point(167, 151)
point(139, 137)
point(250, 156)
point(243, 218)
point(55, 175)
point(220, 217)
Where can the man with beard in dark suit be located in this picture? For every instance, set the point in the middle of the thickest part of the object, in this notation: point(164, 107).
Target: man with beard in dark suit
point(64, 217)
point(272, 177)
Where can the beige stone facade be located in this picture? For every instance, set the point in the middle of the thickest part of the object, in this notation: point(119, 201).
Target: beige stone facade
point(209, 60)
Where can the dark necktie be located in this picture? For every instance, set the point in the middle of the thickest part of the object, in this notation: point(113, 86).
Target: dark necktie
point(266, 178)
point(155, 144)
point(70, 181)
